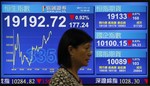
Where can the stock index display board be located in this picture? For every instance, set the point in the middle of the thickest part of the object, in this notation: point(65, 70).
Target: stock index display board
point(30, 33)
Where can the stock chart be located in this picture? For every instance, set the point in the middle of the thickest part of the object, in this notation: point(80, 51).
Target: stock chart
point(30, 33)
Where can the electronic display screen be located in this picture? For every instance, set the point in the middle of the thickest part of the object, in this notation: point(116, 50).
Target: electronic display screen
point(31, 31)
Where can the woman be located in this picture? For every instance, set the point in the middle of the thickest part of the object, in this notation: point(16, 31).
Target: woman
point(74, 51)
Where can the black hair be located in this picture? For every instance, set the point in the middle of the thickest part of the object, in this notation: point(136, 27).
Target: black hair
point(73, 37)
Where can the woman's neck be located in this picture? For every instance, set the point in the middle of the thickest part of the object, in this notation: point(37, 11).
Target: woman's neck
point(74, 71)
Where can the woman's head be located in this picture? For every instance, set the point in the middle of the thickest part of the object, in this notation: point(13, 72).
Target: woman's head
point(74, 46)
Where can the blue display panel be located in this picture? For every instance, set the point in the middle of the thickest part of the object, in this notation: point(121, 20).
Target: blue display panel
point(30, 33)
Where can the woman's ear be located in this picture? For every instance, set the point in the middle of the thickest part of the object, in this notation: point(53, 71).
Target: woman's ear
point(70, 50)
